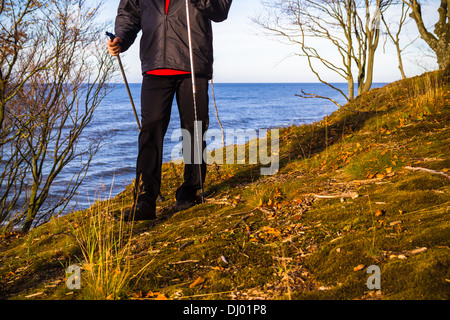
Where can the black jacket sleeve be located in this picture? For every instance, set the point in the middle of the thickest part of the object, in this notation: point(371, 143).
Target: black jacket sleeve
point(215, 10)
point(128, 22)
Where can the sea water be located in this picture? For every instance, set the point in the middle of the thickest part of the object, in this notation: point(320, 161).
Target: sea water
point(240, 106)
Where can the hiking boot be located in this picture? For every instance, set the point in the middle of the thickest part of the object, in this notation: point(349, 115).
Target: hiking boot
point(140, 211)
point(184, 205)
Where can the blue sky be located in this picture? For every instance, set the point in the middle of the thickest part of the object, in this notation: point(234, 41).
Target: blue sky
point(244, 54)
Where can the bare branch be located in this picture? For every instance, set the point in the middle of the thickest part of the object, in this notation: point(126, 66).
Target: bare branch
point(52, 81)
point(322, 28)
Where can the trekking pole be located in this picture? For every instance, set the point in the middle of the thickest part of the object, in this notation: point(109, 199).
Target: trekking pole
point(112, 37)
point(194, 93)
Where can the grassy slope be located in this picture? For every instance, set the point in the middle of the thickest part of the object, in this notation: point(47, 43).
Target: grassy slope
point(273, 237)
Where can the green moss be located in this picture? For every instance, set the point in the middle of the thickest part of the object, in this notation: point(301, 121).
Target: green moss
point(418, 277)
point(272, 237)
point(422, 182)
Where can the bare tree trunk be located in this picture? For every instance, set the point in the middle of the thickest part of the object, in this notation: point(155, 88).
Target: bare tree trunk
point(373, 45)
point(395, 38)
point(368, 37)
point(439, 42)
point(349, 39)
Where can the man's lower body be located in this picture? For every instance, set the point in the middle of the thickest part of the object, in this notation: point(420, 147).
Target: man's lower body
point(157, 97)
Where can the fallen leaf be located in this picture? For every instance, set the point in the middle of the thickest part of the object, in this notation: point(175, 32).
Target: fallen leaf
point(379, 213)
point(371, 175)
point(271, 231)
point(359, 267)
point(199, 280)
point(161, 297)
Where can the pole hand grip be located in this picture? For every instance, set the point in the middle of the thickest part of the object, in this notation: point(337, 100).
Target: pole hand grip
point(110, 35)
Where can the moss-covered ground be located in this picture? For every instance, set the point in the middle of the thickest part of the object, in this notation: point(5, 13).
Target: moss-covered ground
point(368, 185)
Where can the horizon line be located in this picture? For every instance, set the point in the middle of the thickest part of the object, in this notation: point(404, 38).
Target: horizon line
point(380, 82)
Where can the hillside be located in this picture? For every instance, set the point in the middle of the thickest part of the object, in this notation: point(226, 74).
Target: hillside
point(368, 185)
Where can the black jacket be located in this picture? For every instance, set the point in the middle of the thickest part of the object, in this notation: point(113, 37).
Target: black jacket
point(164, 42)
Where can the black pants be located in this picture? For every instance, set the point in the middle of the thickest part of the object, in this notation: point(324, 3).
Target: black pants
point(156, 104)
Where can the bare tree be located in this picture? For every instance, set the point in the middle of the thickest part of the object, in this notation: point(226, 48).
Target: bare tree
point(53, 76)
point(439, 39)
point(394, 36)
point(325, 29)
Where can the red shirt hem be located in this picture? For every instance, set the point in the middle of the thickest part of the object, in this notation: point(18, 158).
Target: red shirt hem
point(167, 72)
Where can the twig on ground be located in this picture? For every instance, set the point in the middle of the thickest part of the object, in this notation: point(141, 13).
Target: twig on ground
point(352, 195)
point(185, 261)
point(428, 170)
